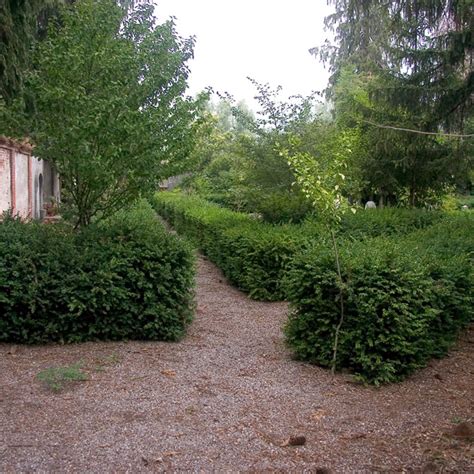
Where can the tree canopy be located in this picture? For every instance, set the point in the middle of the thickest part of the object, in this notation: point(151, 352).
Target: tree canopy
point(22, 22)
point(405, 65)
point(423, 49)
point(109, 106)
point(18, 25)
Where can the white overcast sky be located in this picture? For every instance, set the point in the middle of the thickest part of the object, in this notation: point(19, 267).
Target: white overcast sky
point(267, 40)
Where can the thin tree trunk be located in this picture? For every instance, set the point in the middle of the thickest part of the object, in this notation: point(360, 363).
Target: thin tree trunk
point(341, 300)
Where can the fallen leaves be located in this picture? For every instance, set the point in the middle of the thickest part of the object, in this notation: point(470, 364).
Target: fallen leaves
point(317, 415)
point(168, 372)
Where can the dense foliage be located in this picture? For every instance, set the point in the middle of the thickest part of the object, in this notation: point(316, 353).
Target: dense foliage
point(407, 278)
point(109, 109)
point(388, 222)
point(423, 50)
point(253, 255)
point(401, 87)
point(239, 163)
point(406, 299)
point(405, 65)
point(18, 29)
point(22, 24)
point(126, 278)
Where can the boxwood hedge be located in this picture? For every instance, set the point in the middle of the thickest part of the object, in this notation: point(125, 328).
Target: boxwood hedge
point(253, 255)
point(124, 279)
point(405, 300)
point(408, 280)
point(388, 222)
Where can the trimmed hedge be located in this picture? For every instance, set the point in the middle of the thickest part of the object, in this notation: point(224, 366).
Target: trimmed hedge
point(408, 280)
point(405, 300)
point(253, 255)
point(282, 207)
point(387, 222)
point(124, 279)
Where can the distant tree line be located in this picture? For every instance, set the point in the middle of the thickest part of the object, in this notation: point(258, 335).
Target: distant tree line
point(401, 87)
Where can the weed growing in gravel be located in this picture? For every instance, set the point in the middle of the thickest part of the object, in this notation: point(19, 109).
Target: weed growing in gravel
point(109, 361)
point(54, 378)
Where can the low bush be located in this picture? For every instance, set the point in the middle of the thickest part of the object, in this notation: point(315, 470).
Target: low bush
point(407, 281)
point(464, 200)
point(283, 207)
point(387, 222)
point(123, 279)
point(405, 300)
point(253, 255)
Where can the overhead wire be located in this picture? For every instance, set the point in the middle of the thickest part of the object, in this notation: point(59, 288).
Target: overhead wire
point(421, 132)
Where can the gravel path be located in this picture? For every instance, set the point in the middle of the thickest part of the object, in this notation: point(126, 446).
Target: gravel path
point(227, 398)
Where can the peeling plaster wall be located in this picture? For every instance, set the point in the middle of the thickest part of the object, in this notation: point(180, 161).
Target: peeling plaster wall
point(26, 182)
point(21, 179)
point(5, 180)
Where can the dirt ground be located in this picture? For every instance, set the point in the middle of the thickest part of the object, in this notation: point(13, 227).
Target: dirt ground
point(228, 397)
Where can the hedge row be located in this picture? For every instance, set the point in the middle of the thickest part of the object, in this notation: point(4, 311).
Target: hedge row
point(408, 280)
point(388, 222)
point(253, 255)
point(405, 301)
point(124, 279)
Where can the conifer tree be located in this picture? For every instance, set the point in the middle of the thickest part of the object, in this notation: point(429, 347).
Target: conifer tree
point(416, 60)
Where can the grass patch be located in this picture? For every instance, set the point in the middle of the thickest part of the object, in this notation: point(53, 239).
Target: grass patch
point(109, 361)
point(56, 378)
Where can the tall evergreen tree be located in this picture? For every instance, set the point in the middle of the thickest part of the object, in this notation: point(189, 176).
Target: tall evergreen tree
point(424, 47)
point(416, 60)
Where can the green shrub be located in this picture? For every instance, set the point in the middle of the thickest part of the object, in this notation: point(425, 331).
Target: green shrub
point(283, 207)
point(405, 300)
point(408, 290)
point(278, 207)
point(464, 200)
point(446, 251)
point(253, 255)
point(56, 378)
point(387, 222)
point(124, 279)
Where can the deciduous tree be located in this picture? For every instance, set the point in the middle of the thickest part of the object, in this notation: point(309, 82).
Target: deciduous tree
point(110, 111)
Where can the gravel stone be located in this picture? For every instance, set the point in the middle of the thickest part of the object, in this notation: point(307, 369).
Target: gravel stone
point(227, 398)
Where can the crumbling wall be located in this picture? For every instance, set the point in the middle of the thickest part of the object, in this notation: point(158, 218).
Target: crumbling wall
point(26, 183)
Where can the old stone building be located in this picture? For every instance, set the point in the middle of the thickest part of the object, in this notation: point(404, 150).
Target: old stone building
point(26, 183)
